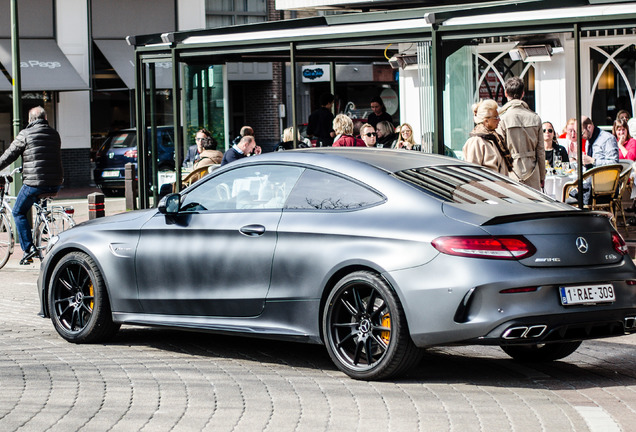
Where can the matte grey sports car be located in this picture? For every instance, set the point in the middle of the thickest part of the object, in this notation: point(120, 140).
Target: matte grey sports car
point(374, 253)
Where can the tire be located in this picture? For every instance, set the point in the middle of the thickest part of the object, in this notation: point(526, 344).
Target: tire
point(542, 352)
point(78, 301)
point(6, 238)
point(365, 329)
point(58, 221)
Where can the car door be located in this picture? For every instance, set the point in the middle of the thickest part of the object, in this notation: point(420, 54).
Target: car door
point(214, 257)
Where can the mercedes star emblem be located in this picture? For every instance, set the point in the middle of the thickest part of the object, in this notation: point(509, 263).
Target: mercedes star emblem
point(581, 245)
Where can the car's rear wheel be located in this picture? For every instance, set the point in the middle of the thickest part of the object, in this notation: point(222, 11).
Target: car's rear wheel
point(365, 328)
point(541, 352)
point(78, 301)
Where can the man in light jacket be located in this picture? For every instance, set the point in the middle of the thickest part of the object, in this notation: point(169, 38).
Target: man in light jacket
point(602, 148)
point(522, 129)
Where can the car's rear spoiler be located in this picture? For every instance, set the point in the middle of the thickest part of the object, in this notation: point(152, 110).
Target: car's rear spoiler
point(543, 215)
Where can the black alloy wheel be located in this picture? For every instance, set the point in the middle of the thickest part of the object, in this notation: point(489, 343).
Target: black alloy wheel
point(365, 328)
point(78, 301)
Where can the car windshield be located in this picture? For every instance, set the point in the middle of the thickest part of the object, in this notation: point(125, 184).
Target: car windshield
point(465, 184)
point(123, 140)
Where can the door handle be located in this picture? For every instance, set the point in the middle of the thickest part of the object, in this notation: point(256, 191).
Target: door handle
point(252, 230)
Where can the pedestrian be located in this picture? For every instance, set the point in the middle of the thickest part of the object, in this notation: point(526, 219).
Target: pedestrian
point(40, 147)
point(245, 147)
point(320, 122)
point(485, 146)
point(523, 133)
point(379, 113)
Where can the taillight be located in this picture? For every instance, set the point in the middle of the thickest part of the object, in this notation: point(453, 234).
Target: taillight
point(131, 154)
point(619, 244)
point(510, 247)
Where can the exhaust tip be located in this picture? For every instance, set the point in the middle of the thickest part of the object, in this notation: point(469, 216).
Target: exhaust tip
point(630, 322)
point(536, 331)
point(515, 333)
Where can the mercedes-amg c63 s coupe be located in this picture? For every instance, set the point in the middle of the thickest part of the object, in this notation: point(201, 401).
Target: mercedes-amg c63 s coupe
point(375, 253)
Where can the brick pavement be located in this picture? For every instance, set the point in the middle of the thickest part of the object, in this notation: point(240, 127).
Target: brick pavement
point(157, 379)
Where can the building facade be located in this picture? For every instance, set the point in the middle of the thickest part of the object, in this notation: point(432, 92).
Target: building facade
point(76, 63)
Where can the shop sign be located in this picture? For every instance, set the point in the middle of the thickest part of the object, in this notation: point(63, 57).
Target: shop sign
point(42, 64)
point(316, 73)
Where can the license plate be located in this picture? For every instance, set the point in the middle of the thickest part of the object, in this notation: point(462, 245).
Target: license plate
point(587, 294)
point(110, 174)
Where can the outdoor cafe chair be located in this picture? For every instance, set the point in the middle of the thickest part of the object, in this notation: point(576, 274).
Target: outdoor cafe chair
point(195, 175)
point(624, 186)
point(604, 184)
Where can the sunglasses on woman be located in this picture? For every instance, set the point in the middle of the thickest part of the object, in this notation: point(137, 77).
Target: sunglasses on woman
point(548, 130)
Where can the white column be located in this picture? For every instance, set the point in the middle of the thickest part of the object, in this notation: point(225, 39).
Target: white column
point(551, 94)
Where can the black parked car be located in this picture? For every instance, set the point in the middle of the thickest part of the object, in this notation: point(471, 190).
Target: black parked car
point(120, 148)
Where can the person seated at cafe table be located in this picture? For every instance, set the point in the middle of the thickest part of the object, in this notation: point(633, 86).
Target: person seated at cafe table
point(343, 125)
point(602, 147)
point(626, 143)
point(245, 147)
point(208, 155)
point(552, 146)
point(569, 137)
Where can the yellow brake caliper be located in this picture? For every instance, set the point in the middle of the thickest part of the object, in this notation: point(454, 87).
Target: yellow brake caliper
point(386, 322)
point(91, 291)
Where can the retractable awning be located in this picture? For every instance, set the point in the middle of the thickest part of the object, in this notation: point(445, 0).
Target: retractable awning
point(121, 57)
point(43, 66)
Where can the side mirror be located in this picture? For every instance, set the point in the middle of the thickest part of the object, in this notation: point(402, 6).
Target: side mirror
point(169, 205)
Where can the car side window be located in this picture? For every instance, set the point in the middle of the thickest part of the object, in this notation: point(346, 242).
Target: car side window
point(317, 190)
point(244, 188)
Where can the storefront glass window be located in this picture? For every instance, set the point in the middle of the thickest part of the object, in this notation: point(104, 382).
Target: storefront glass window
point(204, 102)
point(232, 12)
point(613, 74)
point(493, 69)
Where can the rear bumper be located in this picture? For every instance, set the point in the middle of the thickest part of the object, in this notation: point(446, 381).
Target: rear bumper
point(562, 328)
point(467, 306)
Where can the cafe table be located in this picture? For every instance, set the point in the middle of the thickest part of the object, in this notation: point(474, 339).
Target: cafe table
point(554, 184)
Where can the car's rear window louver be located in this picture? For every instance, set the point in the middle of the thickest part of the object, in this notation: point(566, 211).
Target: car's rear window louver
point(467, 184)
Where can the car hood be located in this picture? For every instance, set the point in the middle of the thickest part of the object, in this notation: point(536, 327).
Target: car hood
point(140, 216)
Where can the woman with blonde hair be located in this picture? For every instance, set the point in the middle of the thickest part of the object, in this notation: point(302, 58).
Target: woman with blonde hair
point(485, 146)
point(405, 140)
point(343, 126)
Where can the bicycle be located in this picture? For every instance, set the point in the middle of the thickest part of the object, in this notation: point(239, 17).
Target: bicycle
point(48, 220)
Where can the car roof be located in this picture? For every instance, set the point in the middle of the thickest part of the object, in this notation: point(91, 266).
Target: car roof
point(384, 159)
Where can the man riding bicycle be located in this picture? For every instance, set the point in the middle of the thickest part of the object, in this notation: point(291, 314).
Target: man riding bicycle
point(42, 173)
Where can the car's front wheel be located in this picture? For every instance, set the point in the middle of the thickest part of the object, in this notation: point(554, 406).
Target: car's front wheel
point(78, 301)
point(365, 328)
point(541, 352)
